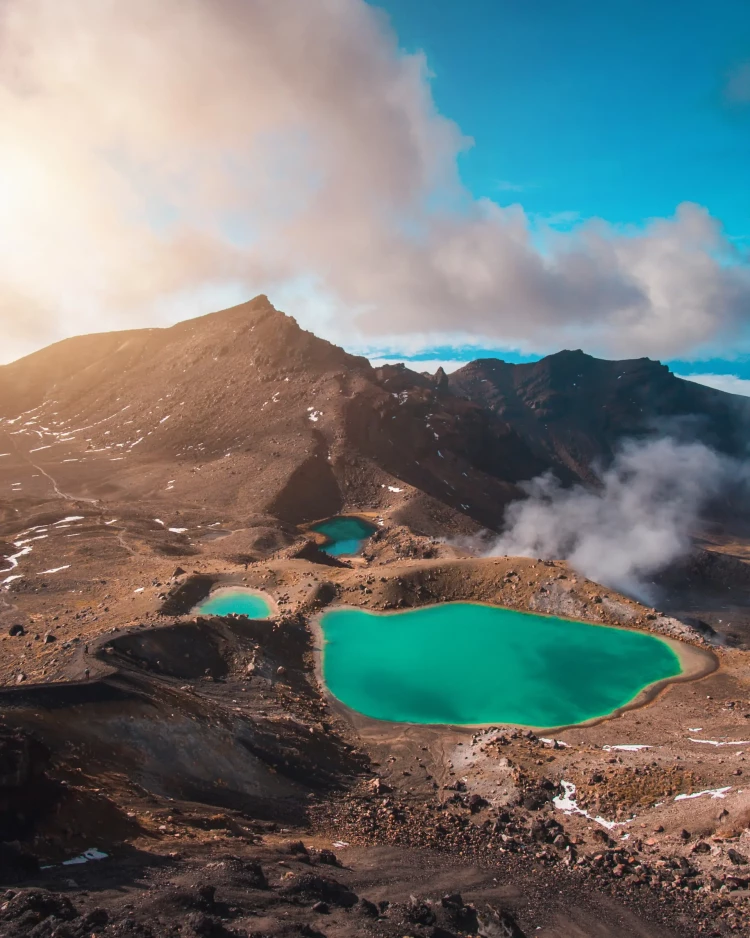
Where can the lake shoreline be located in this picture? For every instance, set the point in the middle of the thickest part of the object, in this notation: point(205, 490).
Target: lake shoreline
point(221, 591)
point(325, 540)
point(695, 663)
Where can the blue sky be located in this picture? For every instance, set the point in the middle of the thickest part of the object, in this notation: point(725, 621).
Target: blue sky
point(588, 109)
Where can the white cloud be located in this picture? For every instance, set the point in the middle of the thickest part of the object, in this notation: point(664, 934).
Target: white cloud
point(158, 157)
point(731, 383)
point(505, 185)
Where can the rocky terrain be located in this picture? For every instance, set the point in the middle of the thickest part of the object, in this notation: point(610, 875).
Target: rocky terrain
point(572, 409)
point(199, 767)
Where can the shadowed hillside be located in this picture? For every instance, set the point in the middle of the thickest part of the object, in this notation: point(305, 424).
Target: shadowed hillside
point(572, 409)
point(243, 411)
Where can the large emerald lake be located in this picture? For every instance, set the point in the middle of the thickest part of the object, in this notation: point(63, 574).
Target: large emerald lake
point(345, 535)
point(468, 663)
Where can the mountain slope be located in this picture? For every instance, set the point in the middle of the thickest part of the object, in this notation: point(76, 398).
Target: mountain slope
point(241, 415)
point(245, 413)
point(572, 409)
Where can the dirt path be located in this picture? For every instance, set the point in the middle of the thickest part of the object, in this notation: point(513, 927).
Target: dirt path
point(55, 487)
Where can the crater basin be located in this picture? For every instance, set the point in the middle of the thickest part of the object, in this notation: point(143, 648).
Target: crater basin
point(475, 664)
point(344, 535)
point(236, 600)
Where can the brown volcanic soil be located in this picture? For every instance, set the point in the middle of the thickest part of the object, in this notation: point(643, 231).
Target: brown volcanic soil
point(187, 741)
point(197, 752)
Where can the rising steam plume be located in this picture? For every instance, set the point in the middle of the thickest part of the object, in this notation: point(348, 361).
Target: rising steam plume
point(634, 525)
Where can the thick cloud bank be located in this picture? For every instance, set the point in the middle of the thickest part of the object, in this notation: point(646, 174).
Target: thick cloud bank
point(161, 156)
point(633, 526)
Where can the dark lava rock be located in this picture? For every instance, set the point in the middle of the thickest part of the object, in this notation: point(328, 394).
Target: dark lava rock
point(322, 908)
point(319, 888)
point(297, 848)
point(476, 803)
point(368, 908)
point(207, 926)
point(28, 907)
point(129, 928)
point(207, 894)
point(736, 857)
point(328, 857)
point(247, 873)
point(535, 800)
point(458, 913)
point(94, 919)
point(16, 629)
point(199, 899)
point(419, 912)
point(499, 924)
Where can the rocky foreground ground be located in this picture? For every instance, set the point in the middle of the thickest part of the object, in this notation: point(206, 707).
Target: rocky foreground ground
point(198, 767)
point(232, 796)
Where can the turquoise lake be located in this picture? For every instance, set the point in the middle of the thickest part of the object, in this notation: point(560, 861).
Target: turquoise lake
point(345, 536)
point(239, 601)
point(467, 663)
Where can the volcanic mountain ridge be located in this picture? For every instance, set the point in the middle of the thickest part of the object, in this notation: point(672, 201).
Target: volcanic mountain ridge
point(244, 411)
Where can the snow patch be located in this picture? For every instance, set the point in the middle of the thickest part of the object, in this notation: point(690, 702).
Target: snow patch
point(567, 803)
point(713, 792)
point(86, 857)
point(626, 748)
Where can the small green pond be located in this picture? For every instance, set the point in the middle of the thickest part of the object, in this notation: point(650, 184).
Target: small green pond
point(344, 535)
point(237, 601)
point(467, 663)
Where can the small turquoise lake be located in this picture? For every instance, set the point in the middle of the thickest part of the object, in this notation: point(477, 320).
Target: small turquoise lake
point(345, 535)
point(237, 601)
point(468, 663)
